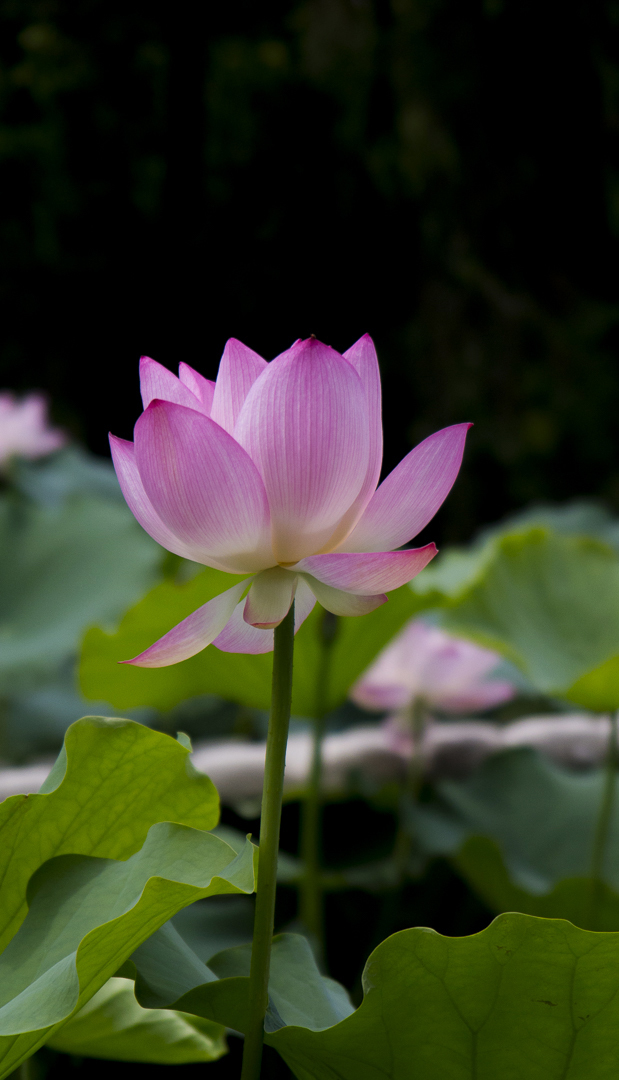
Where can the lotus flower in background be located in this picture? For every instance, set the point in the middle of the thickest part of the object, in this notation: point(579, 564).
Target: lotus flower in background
point(271, 471)
point(24, 428)
point(423, 663)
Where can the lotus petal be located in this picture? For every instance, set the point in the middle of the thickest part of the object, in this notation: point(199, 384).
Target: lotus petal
point(343, 603)
point(362, 355)
point(270, 597)
point(410, 496)
point(239, 637)
point(201, 387)
point(238, 371)
point(123, 456)
point(157, 382)
point(367, 573)
point(204, 487)
point(424, 661)
point(192, 634)
point(304, 424)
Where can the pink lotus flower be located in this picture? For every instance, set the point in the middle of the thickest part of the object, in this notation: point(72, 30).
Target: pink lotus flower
point(271, 471)
point(425, 664)
point(24, 428)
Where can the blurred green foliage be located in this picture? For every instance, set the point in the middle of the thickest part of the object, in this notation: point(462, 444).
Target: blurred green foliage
point(443, 174)
point(239, 677)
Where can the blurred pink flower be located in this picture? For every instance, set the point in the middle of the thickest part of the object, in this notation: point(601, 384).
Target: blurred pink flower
point(24, 428)
point(424, 663)
point(272, 471)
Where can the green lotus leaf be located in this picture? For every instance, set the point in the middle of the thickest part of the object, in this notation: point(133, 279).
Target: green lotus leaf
point(168, 973)
point(86, 916)
point(547, 601)
point(525, 999)
point(112, 1025)
point(592, 905)
point(112, 781)
point(542, 817)
point(62, 568)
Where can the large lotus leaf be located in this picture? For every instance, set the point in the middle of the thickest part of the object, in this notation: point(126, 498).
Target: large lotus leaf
point(63, 568)
point(548, 602)
point(112, 1025)
point(87, 915)
point(590, 904)
point(542, 817)
point(112, 781)
point(526, 999)
point(235, 676)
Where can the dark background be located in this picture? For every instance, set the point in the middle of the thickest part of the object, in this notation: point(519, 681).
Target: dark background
point(441, 173)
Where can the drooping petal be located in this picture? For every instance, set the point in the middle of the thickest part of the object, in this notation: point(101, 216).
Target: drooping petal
point(201, 387)
point(367, 574)
point(123, 456)
point(305, 425)
point(410, 496)
point(343, 603)
point(157, 382)
point(192, 634)
point(204, 486)
point(270, 597)
point(362, 355)
point(239, 637)
point(238, 370)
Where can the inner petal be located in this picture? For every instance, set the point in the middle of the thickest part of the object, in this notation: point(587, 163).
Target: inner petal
point(270, 597)
point(305, 426)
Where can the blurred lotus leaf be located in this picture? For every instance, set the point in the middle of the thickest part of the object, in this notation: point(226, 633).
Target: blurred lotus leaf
point(521, 830)
point(71, 554)
point(587, 903)
point(238, 677)
point(548, 601)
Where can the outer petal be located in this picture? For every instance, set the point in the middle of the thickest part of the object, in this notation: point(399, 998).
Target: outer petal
point(123, 455)
point(367, 574)
point(201, 387)
point(239, 637)
point(238, 371)
point(362, 355)
point(192, 634)
point(270, 598)
point(304, 423)
point(203, 486)
point(157, 382)
point(343, 603)
point(410, 496)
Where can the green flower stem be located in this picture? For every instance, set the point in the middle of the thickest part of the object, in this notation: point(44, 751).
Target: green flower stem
point(272, 792)
point(600, 839)
point(311, 885)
